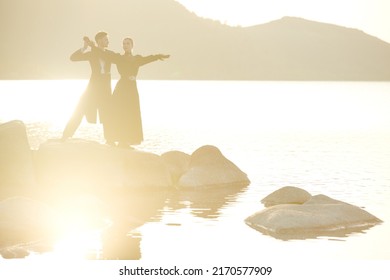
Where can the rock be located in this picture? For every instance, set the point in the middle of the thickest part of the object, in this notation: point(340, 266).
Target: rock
point(14, 253)
point(286, 195)
point(321, 215)
point(16, 164)
point(84, 164)
point(78, 164)
point(25, 220)
point(177, 162)
point(146, 170)
point(210, 168)
point(323, 199)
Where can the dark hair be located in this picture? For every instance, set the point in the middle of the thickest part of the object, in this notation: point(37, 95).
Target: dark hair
point(100, 35)
point(128, 38)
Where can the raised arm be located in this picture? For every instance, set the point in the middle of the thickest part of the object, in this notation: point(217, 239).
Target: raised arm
point(150, 58)
point(81, 54)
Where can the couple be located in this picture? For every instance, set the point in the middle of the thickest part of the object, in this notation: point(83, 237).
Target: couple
point(119, 112)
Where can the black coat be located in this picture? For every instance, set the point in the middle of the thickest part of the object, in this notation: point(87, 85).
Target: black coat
point(96, 98)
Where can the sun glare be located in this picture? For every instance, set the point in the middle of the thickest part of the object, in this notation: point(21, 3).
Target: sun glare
point(79, 230)
point(51, 101)
point(62, 97)
point(78, 244)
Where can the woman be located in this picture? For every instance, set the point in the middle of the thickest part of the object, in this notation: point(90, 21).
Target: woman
point(127, 126)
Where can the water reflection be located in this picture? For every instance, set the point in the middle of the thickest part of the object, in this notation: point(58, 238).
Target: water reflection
point(117, 244)
point(128, 211)
point(347, 155)
point(106, 225)
point(205, 203)
point(335, 235)
point(122, 240)
point(23, 250)
point(90, 225)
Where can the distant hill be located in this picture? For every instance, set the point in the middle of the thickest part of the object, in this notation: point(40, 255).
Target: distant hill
point(38, 37)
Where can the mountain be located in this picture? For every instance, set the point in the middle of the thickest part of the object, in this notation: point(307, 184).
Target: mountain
point(39, 36)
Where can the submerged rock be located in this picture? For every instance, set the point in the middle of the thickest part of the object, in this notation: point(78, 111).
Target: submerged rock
point(16, 165)
point(320, 215)
point(209, 167)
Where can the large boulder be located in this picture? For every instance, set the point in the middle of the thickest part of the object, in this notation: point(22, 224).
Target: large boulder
point(146, 170)
point(286, 195)
point(209, 168)
point(321, 215)
point(178, 163)
point(78, 164)
point(87, 164)
point(16, 165)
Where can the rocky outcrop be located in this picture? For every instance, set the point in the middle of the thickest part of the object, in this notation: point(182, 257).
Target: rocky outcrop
point(146, 170)
point(85, 164)
point(77, 163)
point(177, 162)
point(82, 164)
point(209, 168)
point(320, 215)
point(85, 181)
point(16, 165)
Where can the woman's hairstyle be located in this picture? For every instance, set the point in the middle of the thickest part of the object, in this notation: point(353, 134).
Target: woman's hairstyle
point(128, 38)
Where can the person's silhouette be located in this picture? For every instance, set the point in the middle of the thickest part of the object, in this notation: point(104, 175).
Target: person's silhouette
point(95, 102)
point(127, 124)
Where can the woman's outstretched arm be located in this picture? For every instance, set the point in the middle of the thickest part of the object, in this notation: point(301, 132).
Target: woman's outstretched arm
point(151, 58)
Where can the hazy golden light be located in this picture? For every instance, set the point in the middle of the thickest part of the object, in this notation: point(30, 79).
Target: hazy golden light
point(244, 123)
point(79, 231)
point(52, 100)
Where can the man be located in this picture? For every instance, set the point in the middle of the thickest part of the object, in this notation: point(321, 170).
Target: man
point(95, 102)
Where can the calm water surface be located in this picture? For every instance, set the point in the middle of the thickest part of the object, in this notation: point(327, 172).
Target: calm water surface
point(328, 138)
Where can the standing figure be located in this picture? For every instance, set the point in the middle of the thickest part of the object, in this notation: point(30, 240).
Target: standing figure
point(127, 125)
point(94, 104)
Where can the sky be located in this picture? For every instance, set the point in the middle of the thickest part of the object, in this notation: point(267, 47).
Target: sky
point(370, 16)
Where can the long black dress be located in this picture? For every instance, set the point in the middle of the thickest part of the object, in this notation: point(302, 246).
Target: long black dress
point(127, 126)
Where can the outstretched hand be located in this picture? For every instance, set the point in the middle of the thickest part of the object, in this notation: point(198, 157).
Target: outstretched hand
point(88, 42)
point(163, 56)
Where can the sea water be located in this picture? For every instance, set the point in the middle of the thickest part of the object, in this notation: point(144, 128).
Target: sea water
point(329, 138)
